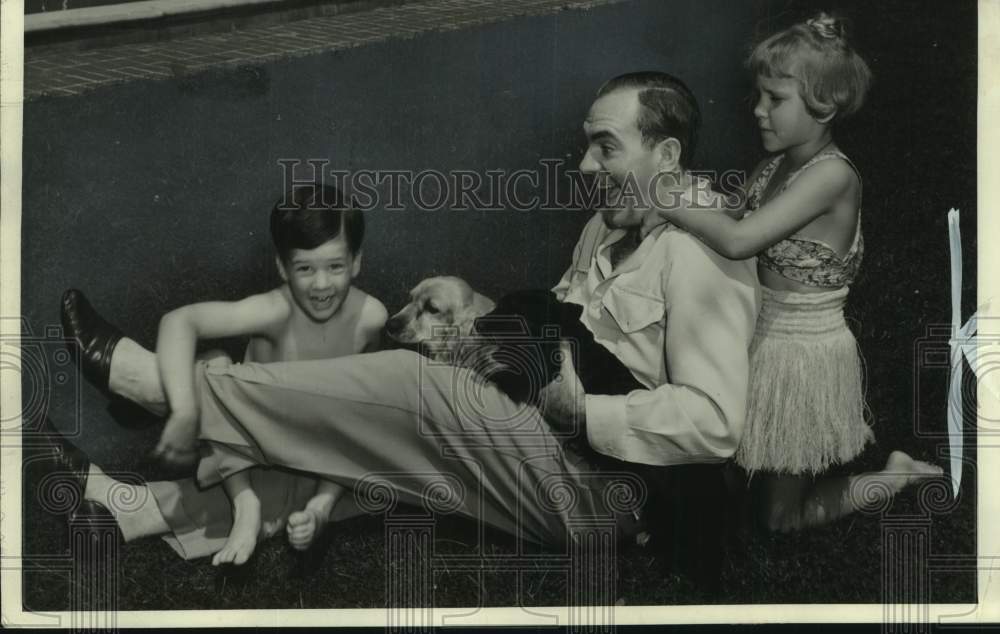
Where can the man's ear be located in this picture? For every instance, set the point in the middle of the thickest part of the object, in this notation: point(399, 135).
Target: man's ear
point(356, 267)
point(281, 268)
point(670, 154)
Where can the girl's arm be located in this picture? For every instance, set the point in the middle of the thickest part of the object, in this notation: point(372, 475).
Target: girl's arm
point(181, 329)
point(808, 197)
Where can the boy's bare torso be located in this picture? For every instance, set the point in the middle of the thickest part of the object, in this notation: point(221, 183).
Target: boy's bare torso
point(298, 338)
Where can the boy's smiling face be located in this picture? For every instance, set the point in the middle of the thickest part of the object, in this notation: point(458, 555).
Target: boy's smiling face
point(319, 279)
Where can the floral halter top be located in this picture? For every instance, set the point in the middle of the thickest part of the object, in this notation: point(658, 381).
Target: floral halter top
point(807, 260)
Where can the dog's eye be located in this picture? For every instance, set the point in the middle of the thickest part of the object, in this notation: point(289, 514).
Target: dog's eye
point(431, 308)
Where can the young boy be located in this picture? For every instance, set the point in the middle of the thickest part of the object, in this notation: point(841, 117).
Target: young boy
point(316, 313)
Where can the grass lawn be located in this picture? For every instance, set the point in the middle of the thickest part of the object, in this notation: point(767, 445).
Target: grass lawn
point(838, 563)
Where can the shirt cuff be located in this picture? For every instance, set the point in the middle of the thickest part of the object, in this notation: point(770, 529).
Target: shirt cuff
point(606, 425)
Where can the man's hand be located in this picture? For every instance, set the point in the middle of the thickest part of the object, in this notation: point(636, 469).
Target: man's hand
point(563, 401)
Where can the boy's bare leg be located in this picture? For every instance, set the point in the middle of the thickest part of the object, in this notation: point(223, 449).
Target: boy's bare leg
point(246, 521)
point(178, 440)
point(797, 502)
point(135, 376)
point(305, 526)
point(145, 520)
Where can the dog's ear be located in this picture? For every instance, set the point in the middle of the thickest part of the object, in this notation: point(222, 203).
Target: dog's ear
point(481, 304)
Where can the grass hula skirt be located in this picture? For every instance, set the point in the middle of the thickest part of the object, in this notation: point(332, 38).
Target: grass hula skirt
point(806, 408)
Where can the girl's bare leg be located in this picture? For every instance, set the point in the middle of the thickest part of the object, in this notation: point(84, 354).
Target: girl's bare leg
point(796, 502)
point(243, 536)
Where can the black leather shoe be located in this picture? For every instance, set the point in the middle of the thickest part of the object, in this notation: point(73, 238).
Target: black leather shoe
point(96, 524)
point(61, 458)
point(90, 336)
point(68, 467)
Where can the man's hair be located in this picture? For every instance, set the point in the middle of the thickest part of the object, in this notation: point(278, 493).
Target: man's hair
point(833, 79)
point(310, 215)
point(667, 108)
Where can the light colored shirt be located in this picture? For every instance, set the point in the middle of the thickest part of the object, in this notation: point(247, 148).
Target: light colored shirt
point(680, 317)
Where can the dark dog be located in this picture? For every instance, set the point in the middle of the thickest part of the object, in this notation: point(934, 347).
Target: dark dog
point(525, 329)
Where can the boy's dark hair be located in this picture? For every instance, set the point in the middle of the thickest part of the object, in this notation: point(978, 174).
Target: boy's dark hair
point(667, 108)
point(311, 214)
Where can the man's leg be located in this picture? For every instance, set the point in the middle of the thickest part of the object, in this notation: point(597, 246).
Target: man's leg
point(197, 522)
point(135, 376)
point(134, 508)
point(395, 423)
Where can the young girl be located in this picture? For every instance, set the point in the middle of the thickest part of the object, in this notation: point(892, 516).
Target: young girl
point(806, 407)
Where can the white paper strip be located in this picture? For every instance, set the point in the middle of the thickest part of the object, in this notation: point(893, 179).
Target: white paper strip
point(955, 417)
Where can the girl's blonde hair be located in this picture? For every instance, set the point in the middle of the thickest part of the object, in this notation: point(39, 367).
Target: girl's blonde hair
point(833, 78)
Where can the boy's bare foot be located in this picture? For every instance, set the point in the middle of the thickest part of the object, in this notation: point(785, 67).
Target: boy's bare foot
point(178, 442)
point(902, 470)
point(270, 528)
point(243, 536)
point(305, 526)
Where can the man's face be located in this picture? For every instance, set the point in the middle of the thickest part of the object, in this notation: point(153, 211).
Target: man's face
point(624, 166)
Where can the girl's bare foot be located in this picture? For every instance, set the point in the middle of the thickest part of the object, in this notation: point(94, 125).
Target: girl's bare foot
point(901, 470)
point(270, 528)
point(243, 536)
